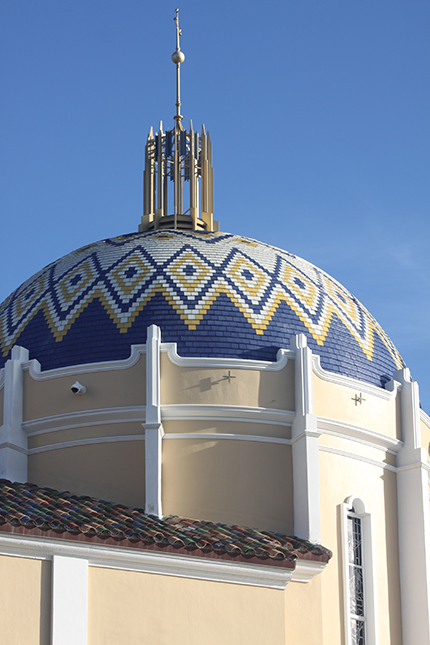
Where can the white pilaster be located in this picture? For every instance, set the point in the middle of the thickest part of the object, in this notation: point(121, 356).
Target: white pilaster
point(69, 617)
point(413, 518)
point(13, 439)
point(304, 437)
point(153, 427)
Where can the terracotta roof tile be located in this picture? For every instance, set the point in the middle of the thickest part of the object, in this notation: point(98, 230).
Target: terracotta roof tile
point(29, 509)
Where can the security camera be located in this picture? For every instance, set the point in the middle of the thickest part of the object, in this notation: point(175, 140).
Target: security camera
point(77, 388)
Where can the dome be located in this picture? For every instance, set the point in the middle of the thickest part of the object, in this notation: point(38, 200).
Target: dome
point(214, 294)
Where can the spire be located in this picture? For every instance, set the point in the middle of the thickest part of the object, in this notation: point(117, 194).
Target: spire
point(178, 57)
point(178, 156)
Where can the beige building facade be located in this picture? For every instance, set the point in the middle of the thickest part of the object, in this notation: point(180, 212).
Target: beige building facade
point(205, 440)
point(282, 446)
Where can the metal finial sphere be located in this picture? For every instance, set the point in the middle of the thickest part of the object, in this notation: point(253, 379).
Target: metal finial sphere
point(178, 57)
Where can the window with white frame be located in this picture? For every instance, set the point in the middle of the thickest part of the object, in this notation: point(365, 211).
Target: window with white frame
point(356, 579)
point(358, 573)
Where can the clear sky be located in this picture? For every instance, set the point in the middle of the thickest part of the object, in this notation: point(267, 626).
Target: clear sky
point(318, 112)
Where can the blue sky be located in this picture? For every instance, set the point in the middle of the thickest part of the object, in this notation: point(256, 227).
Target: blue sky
point(318, 112)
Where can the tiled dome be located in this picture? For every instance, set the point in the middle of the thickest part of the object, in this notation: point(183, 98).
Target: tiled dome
point(214, 294)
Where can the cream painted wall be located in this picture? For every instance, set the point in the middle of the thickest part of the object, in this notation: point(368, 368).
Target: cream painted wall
point(136, 608)
point(357, 448)
point(377, 486)
point(303, 613)
point(111, 471)
point(237, 482)
point(88, 432)
point(425, 436)
point(25, 601)
point(266, 389)
point(105, 389)
point(376, 414)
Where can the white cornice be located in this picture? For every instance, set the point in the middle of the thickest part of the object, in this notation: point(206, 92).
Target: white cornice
point(100, 416)
point(425, 418)
point(204, 436)
point(35, 370)
point(213, 413)
point(233, 363)
point(306, 570)
point(358, 457)
point(354, 384)
point(160, 563)
point(360, 434)
point(105, 416)
point(86, 442)
point(224, 435)
point(226, 413)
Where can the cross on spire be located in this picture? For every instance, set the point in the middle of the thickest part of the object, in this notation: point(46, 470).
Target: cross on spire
point(178, 156)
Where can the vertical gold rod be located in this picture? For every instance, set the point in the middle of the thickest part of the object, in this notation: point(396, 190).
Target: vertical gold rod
point(151, 186)
point(176, 174)
point(193, 210)
point(178, 58)
point(166, 168)
point(160, 169)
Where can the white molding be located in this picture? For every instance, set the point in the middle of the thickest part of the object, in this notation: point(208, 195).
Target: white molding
point(35, 370)
point(69, 612)
point(423, 465)
point(369, 576)
point(359, 434)
point(140, 437)
point(304, 436)
point(198, 568)
point(245, 414)
point(84, 418)
point(12, 446)
point(223, 435)
point(306, 570)
point(425, 418)
point(85, 442)
point(233, 363)
point(354, 384)
point(216, 436)
point(13, 439)
point(353, 455)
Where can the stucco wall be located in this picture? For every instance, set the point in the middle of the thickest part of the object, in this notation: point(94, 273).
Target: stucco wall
point(111, 471)
point(105, 389)
point(135, 608)
point(334, 401)
point(425, 436)
point(267, 389)
point(303, 613)
point(25, 601)
point(237, 482)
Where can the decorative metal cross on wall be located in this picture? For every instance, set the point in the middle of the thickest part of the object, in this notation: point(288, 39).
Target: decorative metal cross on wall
point(358, 399)
point(228, 376)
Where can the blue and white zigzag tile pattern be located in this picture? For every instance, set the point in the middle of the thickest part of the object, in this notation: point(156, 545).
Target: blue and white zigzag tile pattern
point(214, 294)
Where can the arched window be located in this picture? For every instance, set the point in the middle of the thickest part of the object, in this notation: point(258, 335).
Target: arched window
point(358, 573)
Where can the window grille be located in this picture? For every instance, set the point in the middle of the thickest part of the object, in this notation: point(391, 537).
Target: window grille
point(356, 579)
